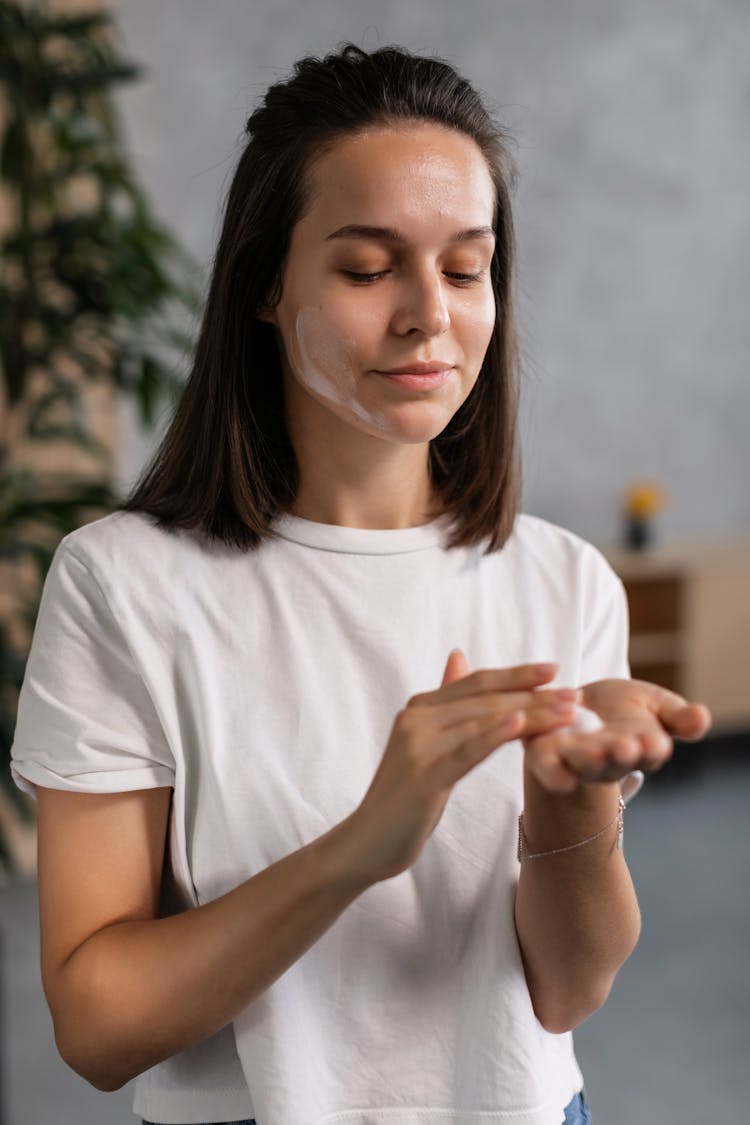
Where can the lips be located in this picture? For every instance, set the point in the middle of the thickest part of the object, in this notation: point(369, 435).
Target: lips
point(429, 367)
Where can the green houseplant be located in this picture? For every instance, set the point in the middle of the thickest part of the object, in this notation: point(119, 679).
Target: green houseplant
point(92, 289)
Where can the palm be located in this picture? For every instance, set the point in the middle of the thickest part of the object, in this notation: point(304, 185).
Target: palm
point(640, 708)
point(639, 720)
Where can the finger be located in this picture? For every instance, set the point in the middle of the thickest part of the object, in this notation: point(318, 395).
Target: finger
point(609, 755)
point(457, 667)
point(685, 720)
point(519, 678)
point(461, 748)
point(656, 748)
point(692, 722)
point(645, 749)
point(549, 768)
point(544, 710)
point(548, 717)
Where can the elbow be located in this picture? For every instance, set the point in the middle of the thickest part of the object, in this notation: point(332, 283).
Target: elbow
point(88, 1039)
point(109, 1086)
point(92, 1067)
point(564, 1014)
point(106, 1084)
point(560, 1008)
point(86, 1048)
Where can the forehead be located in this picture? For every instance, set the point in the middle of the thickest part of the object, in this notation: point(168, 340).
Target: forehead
point(407, 175)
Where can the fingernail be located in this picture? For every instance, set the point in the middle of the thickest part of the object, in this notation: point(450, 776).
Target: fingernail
point(574, 694)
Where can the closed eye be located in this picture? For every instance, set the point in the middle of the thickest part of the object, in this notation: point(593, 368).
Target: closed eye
point(464, 277)
point(365, 278)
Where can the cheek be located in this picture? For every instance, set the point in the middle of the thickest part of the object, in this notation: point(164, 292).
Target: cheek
point(477, 322)
point(323, 346)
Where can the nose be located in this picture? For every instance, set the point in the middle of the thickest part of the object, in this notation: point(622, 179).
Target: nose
point(422, 307)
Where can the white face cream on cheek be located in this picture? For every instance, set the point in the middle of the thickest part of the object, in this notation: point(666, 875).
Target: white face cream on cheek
point(324, 362)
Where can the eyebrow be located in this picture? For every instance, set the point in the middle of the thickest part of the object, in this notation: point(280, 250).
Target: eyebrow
point(388, 234)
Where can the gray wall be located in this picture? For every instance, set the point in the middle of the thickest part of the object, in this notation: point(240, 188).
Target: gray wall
point(632, 214)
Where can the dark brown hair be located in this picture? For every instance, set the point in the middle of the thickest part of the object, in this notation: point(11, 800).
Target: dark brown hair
point(226, 465)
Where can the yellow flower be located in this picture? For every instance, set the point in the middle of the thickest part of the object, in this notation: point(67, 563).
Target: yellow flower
point(644, 499)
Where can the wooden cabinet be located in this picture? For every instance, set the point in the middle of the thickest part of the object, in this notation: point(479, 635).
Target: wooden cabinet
point(690, 622)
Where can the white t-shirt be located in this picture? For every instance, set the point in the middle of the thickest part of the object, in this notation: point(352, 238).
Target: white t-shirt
point(263, 686)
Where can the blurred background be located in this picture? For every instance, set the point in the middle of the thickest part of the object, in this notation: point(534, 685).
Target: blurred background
point(633, 226)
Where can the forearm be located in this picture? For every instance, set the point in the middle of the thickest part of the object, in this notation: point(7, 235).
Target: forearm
point(576, 914)
point(139, 992)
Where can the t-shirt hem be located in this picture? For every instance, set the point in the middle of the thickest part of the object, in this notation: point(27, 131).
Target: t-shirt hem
point(559, 1092)
point(27, 775)
point(185, 1107)
point(419, 1115)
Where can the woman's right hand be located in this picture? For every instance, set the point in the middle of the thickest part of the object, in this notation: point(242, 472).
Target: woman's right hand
point(436, 740)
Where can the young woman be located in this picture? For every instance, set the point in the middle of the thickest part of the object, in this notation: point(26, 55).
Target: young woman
point(298, 864)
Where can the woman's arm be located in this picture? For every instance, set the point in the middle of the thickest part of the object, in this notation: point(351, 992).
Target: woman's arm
point(576, 913)
point(127, 989)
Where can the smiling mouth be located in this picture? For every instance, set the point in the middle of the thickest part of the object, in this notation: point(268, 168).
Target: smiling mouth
point(433, 367)
point(424, 381)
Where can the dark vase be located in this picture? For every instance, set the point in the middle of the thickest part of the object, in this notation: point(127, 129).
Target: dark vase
point(638, 533)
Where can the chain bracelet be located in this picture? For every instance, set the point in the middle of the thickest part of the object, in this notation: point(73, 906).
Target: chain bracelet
point(523, 852)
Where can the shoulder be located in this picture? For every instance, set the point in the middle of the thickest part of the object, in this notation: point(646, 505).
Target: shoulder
point(123, 553)
point(561, 565)
point(137, 566)
point(552, 545)
point(120, 540)
point(112, 528)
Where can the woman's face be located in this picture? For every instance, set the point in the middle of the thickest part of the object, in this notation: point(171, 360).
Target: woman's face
point(389, 268)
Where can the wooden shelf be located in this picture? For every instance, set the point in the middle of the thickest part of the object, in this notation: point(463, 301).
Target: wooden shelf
point(657, 648)
point(690, 622)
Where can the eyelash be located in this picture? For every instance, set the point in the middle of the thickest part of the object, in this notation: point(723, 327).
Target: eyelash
point(367, 278)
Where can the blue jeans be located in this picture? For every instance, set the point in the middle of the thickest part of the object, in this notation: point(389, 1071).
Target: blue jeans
point(576, 1113)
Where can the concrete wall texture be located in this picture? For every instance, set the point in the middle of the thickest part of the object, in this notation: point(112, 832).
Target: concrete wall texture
point(632, 214)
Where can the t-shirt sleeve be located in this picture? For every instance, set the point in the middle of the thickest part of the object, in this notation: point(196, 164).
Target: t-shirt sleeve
point(86, 721)
point(606, 638)
point(606, 631)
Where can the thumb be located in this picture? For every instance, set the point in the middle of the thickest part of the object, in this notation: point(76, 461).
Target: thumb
point(457, 666)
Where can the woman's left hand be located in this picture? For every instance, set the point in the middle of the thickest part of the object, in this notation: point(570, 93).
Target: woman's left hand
point(639, 720)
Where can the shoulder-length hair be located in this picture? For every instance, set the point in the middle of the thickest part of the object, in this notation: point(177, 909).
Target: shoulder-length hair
point(226, 465)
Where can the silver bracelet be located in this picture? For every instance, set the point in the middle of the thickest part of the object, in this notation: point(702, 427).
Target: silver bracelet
point(524, 853)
